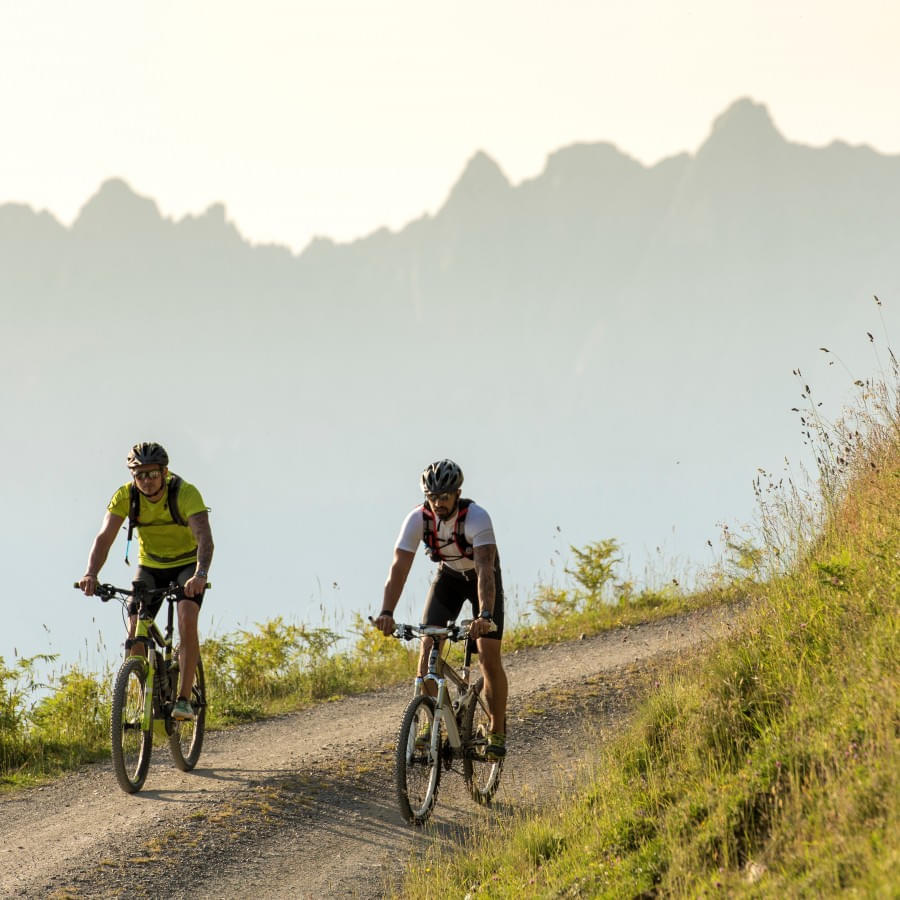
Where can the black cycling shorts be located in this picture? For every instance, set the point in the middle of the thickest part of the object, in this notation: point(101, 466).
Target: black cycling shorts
point(449, 591)
point(159, 578)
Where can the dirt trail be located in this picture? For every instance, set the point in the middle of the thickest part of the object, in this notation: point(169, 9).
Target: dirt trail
point(303, 805)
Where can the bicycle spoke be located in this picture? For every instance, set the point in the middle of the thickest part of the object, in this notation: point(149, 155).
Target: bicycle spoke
point(186, 741)
point(418, 765)
point(482, 775)
point(131, 746)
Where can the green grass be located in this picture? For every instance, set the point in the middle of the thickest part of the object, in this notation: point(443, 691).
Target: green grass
point(279, 667)
point(68, 727)
point(768, 768)
point(649, 606)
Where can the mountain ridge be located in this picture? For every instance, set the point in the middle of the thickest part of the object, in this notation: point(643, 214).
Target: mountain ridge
point(606, 348)
point(743, 126)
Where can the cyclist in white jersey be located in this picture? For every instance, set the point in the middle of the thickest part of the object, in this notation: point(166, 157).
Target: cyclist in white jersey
point(459, 536)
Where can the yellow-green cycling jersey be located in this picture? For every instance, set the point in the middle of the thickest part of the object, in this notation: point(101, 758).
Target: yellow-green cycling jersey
point(162, 543)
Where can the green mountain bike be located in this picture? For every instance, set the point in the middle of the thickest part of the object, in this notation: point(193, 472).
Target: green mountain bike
point(145, 690)
point(437, 731)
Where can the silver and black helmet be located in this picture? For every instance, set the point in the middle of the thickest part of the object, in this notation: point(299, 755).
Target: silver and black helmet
point(440, 477)
point(148, 453)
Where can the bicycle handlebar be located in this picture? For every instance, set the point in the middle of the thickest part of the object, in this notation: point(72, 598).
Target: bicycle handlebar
point(453, 631)
point(107, 591)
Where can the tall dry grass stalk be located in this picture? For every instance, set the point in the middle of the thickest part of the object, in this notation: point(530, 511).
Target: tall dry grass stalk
point(770, 768)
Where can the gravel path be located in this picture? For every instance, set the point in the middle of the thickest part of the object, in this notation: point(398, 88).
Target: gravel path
point(303, 805)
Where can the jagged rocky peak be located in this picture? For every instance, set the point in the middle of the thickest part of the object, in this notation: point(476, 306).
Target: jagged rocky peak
point(117, 208)
point(746, 125)
point(212, 224)
point(482, 179)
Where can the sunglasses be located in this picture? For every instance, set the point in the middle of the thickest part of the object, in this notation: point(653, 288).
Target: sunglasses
point(148, 476)
point(440, 498)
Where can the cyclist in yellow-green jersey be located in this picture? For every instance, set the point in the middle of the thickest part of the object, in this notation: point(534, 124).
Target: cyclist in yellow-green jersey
point(175, 545)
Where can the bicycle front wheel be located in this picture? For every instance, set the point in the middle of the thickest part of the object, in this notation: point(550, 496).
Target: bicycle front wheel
point(131, 745)
point(418, 770)
point(482, 775)
point(186, 740)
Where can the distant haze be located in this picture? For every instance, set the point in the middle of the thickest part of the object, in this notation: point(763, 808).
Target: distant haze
point(334, 117)
point(606, 349)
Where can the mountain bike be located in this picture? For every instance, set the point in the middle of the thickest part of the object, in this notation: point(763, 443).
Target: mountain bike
point(437, 731)
point(146, 688)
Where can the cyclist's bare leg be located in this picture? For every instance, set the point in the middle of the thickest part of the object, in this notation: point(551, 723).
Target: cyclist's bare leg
point(188, 612)
point(496, 687)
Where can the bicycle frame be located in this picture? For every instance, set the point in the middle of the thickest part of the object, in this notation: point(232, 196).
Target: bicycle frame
point(157, 647)
point(146, 687)
point(451, 726)
point(439, 672)
point(147, 633)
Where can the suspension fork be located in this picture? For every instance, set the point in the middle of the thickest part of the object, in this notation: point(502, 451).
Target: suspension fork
point(142, 634)
point(431, 675)
point(444, 712)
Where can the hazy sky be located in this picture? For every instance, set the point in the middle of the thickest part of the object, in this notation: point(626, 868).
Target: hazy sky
point(334, 117)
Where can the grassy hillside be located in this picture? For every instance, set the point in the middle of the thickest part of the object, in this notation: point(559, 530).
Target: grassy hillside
point(769, 769)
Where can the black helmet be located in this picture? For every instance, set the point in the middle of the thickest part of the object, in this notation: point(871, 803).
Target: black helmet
point(442, 476)
point(147, 454)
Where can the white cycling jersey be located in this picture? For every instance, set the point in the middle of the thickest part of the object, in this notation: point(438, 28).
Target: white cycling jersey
point(478, 531)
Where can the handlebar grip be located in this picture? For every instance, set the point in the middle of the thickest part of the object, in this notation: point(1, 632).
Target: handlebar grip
point(100, 592)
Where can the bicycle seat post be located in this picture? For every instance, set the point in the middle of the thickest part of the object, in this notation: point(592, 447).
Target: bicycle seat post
point(170, 627)
point(139, 595)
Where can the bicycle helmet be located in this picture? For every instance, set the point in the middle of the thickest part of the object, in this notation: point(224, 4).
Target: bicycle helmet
point(147, 454)
point(442, 476)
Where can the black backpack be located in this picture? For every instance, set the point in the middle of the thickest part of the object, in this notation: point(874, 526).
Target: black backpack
point(430, 538)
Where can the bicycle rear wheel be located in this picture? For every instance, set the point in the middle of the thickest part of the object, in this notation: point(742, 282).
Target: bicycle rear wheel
point(482, 775)
point(418, 771)
point(131, 745)
point(186, 740)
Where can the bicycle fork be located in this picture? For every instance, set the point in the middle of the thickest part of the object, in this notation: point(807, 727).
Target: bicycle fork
point(443, 704)
point(147, 721)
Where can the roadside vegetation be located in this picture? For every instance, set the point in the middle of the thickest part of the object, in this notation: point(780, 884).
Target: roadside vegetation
point(48, 728)
point(770, 767)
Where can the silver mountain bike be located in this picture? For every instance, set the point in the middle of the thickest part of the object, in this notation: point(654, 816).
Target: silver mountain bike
point(436, 732)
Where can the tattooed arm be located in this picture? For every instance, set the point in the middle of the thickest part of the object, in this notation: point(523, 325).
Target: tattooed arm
point(199, 525)
point(487, 589)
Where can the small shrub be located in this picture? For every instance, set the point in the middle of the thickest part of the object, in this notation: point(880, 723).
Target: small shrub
point(595, 565)
point(76, 714)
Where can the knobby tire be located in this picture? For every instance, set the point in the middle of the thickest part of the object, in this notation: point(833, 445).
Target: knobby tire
point(186, 739)
point(417, 776)
point(131, 746)
point(482, 776)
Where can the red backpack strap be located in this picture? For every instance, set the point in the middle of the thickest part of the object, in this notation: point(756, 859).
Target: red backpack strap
point(430, 538)
point(429, 535)
point(465, 548)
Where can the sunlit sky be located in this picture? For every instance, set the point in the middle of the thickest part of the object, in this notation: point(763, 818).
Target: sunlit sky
point(335, 117)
